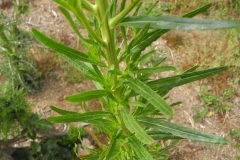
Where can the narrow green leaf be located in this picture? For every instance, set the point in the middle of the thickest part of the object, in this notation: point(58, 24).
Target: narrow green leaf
point(155, 69)
point(197, 11)
point(192, 69)
point(58, 47)
point(147, 93)
point(85, 96)
point(141, 35)
point(73, 25)
point(64, 4)
point(87, 71)
point(84, 117)
point(138, 104)
point(158, 135)
point(184, 78)
point(155, 34)
point(152, 7)
point(181, 131)
point(103, 125)
point(133, 126)
point(61, 111)
point(141, 152)
point(113, 143)
point(146, 56)
point(170, 22)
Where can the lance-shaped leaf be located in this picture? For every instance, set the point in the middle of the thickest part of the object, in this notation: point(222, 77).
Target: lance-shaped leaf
point(113, 144)
point(146, 92)
point(73, 25)
point(103, 125)
point(181, 131)
point(85, 96)
point(155, 69)
point(87, 71)
point(58, 47)
point(141, 152)
point(170, 22)
point(184, 78)
point(61, 111)
point(154, 35)
point(84, 117)
point(133, 126)
point(158, 135)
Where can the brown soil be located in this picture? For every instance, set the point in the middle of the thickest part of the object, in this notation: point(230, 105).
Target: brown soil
point(44, 15)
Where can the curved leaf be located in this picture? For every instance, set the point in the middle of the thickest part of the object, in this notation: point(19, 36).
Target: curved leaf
point(61, 111)
point(133, 126)
point(181, 131)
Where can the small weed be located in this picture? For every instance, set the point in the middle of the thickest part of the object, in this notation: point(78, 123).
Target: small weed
point(199, 116)
point(235, 134)
point(217, 102)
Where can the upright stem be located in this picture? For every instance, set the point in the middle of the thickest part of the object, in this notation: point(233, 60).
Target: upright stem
point(108, 37)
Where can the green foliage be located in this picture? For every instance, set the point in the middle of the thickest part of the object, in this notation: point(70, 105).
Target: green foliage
point(199, 116)
point(15, 115)
point(53, 148)
point(14, 45)
point(235, 134)
point(14, 110)
point(217, 102)
point(134, 111)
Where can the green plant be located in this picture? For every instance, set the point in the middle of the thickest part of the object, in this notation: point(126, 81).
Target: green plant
point(14, 109)
point(199, 116)
point(217, 102)
point(14, 44)
point(16, 118)
point(235, 134)
point(134, 111)
point(59, 147)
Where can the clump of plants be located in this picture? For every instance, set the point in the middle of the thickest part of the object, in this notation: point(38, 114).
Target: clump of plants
point(134, 115)
point(13, 109)
point(14, 46)
point(217, 102)
point(59, 147)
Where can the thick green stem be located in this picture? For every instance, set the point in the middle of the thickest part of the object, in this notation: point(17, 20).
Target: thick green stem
point(114, 21)
point(81, 16)
point(108, 38)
